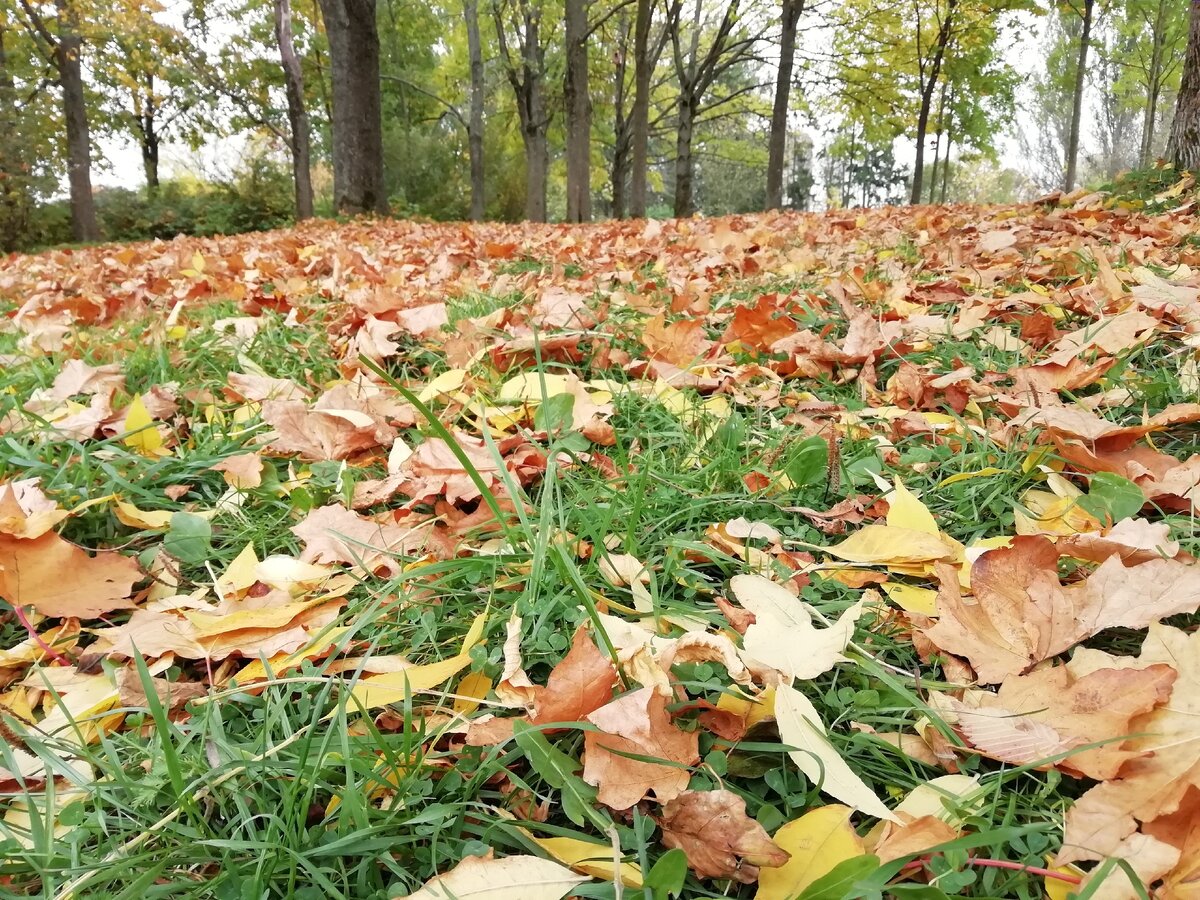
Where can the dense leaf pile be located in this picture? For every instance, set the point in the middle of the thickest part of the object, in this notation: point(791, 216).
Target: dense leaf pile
point(829, 555)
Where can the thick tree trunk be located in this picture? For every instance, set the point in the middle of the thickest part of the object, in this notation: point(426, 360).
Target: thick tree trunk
point(1077, 101)
point(14, 194)
point(684, 164)
point(579, 112)
point(475, 117)
point(777, 141)
point(293, 77)
point(537, 166)
point(1183, 148)
point(927, 89)
point(357, 116)
point(643, 69)
point(79, 143)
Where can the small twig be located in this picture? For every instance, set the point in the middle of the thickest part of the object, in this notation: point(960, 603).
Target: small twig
point(923, 861)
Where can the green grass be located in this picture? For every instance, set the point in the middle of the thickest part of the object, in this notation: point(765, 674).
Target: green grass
point(234, 799)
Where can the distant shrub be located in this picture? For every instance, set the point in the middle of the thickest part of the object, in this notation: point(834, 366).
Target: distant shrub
point(258, 198)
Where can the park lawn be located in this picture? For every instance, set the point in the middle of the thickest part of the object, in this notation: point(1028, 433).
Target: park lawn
point(358, 487)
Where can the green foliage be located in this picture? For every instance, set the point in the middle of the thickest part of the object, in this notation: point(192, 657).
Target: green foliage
point(257, 199)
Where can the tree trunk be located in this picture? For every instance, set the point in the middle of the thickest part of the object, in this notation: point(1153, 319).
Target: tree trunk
point(537, 165)
point(620, 160)
point(579, 112)
point(148, 132)
point(475, 117)
point(357, 114)
point(1153, 86)
point(1183, 148)
point(927, 89)
point(1077, 102)
point(946, 163)
point(684, 164)
point(293, 77)
point(79, 143)
point(777, 141)
point(643, 69)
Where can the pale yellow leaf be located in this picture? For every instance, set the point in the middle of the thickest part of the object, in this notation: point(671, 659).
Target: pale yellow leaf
point(883, 544)
point(817, 842)
point(588, 857)
point(510, 878)
point(800, 726)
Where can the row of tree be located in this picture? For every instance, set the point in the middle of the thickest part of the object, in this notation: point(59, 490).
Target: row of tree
point(623, 107)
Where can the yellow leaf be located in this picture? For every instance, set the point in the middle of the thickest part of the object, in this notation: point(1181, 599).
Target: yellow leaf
point(1056, 888)
point(888, 544)
point(817, 842)
point(588, 858)
point(446, 383)
point(257, 670)
point(241, 573)
point(510, 878)
point(471, 689)
point(911, 598)
point(527, 387)
point(985, 472)
point(147, 440)
point(752, 709)
point(128, 514)
point(906, 511)
point(392, 687)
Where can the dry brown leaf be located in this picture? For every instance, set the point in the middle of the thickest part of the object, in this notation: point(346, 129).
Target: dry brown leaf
point(637, 723)
point(59, 579)
point(1020, 614)
point(1050, 712)
point(719, 839)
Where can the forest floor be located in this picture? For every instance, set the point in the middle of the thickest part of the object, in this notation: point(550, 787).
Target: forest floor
point(823, 555)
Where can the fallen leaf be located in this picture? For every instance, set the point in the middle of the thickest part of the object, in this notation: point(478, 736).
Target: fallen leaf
point(800, 726)
point(510, 878)
point(720, 840)
point(59, 579)
point(815, 844)
point(637, 723)
point(783, 636)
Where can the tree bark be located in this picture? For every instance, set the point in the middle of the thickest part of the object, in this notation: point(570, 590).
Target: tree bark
point(777, 141)
point(357, 110)
point(621, 135)
point(579, 112)
point(1153, 84)
point(293, 77)
point(1183, 148)
point(927, 88)
point(147, 126)
point(475, 116)
point(527, 77)
point(643, 70)
point(1077, 102)
point(67, 52)
point(684, 164)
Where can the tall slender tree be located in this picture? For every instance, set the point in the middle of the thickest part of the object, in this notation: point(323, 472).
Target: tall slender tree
point(929, 68)
point(521, 20)
point(1183, 148)
point(299, 142)
point(578, 111)
point(1085, 37)
point(777, 141)
point(357, 107)
point(697, 66)
point(475, 114)
point(643, 71)
point(63, 47)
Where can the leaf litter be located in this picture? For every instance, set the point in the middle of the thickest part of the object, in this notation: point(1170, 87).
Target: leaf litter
point(773, 541)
